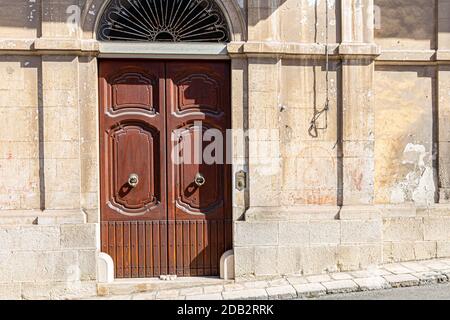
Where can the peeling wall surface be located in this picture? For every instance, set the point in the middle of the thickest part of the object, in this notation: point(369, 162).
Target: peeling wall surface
point(366, 182)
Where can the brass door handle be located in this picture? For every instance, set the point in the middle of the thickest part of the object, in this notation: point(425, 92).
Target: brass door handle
point(199, 179)
point(133, 180)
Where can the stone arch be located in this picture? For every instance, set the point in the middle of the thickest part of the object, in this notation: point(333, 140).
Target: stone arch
point(93, 11)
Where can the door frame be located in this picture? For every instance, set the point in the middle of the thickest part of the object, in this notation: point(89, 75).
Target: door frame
point(238, 107)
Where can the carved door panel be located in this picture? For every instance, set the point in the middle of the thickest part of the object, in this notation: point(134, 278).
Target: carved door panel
point(155, 219)
point(199, 193)
point(132, 140)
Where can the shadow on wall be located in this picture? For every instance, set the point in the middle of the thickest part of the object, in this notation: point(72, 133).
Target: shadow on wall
point(20, 14)
point(406, 19)
point(25, 14)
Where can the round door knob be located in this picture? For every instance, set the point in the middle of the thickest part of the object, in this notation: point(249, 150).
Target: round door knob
point(199, 179)
point(133, 180)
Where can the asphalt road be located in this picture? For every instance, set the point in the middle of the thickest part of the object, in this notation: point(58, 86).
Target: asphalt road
point(433, 292)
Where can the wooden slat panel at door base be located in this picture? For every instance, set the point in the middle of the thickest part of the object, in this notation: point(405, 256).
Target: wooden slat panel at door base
point(171, 255)
point(179, 243)
point(141, 242)
point(138, 248)
point(186, 249)
point(149, 266)
point(207, 250)
point(134, 250)
point(119, 250)
point(200, 248)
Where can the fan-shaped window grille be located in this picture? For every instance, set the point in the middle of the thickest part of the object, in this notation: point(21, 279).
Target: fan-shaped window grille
point(163, 20)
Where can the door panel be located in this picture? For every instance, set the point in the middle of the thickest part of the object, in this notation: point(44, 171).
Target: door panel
point(132, 140)
point(197, 93)
point(166, 223)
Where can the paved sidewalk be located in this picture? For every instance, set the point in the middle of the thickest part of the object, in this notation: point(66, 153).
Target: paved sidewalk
point(431, 292)
point(408, 274)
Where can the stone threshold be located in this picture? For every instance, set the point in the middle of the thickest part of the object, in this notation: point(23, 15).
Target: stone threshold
point(406, 274)
point(148, 285)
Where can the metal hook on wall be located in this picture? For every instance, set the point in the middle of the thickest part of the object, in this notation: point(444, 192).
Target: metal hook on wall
point(313, 130)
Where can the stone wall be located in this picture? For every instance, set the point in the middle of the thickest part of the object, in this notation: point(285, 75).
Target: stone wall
point(382, 161)
point(48, 261)
point(370, 185)
point(318, 240)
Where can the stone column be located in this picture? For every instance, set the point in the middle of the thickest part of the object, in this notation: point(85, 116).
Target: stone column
point(63, 155)
point(443, 101)
point(238, 144)
point(357, 21)
point(61, 132)
point(60, 19)
point(89, 154)
point(357, 127)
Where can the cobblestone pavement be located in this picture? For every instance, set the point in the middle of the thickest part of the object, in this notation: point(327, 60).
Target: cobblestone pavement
point(399, 275)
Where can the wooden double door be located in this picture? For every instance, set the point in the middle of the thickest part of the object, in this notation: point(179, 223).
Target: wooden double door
point(162, 210)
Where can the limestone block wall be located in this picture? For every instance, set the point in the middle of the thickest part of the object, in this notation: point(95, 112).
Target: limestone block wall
point(47, 262)
point(19, 133)
point(369, 183)
point(289, 167)
point(48, 153)
point(386, 166)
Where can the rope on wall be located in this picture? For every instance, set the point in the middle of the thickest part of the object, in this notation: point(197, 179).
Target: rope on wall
point(314, 128)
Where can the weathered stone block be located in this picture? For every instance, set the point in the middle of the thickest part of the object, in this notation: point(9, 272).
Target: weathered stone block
point(291, 260)
point(361, 231)
point(425, 250)
point(310, 290)
point(325, 232)
point(281, 293)
point(10, 291)
point(320, 259)
point(403, 229)
point(430, 277)
point(256, 233)
point(294, 233)
point(437, 228)
point(58, 290)
point(340, 286)
point(87, 261)
point(398, 251)
point(402, 280)
point(41, 266)
point(244, 261)
point(354, 257)
point(372, 283)
point(266, 260)
point(79, 236)
point(443, 249)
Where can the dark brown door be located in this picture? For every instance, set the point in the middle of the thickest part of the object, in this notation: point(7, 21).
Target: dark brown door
point(160, 215)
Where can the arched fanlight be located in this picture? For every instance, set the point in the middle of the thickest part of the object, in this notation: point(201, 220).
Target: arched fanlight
point(163, 20)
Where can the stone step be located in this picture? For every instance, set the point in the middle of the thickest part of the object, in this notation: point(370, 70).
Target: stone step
point(132, 286)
